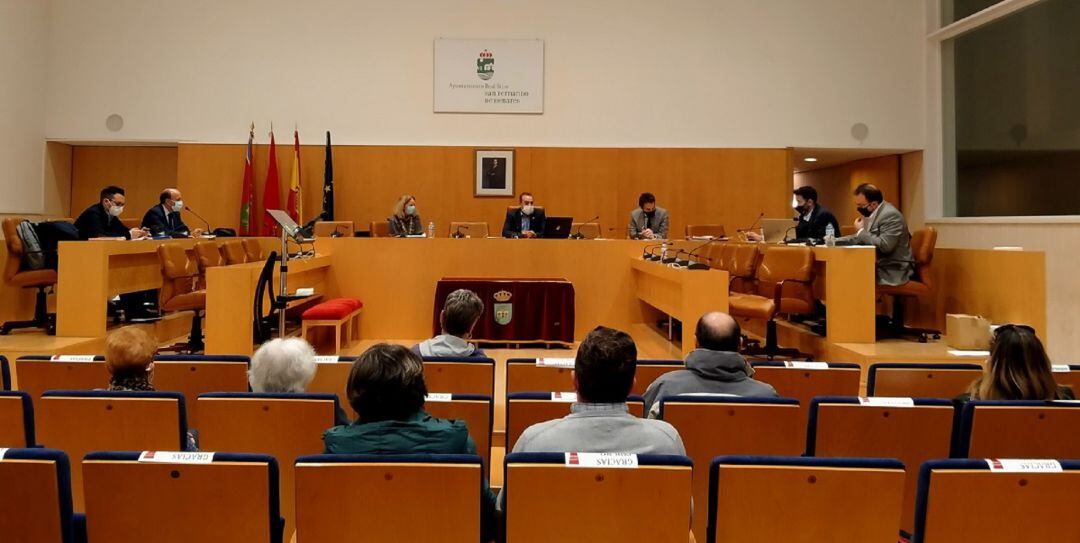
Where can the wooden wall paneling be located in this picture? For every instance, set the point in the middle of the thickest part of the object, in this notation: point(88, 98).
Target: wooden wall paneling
point(142, 172)
point(836, 184)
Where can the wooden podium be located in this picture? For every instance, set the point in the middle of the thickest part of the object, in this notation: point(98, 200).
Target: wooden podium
point(681, 293)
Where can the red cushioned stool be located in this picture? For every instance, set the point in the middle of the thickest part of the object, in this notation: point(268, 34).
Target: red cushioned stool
point(343, 314)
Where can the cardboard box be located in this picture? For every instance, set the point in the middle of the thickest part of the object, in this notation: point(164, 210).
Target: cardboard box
point(967, 332)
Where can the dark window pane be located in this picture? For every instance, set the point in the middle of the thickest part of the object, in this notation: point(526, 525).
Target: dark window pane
point(954, 10)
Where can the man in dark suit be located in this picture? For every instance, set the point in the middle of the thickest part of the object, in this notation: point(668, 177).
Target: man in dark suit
point(813, 219)
point(164, 218)
point(524, 222)
point(494, 174)
point(102, 220)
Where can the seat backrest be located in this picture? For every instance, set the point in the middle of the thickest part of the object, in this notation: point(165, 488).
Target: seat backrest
point(40, 373)
point(1068, 376)
point(35, 496)
point(839, 499)
point(209, 255)
point(1019, 429)
point(460, 375)
point(847, 230)
point(989, 500)
point(649, 370)
point(252, 249)
point(923, 243)
point(325, 229)
point(805, 380)
point(714, 230)
point(234, 252)
point(744, 263)
point(192, 375)
point(5, 373)
point(78, 422)
point(912, 433)
point(14, 246)
point(717, 426)
point(524, 409)
point(284, 426)
point(16, 420)
point(178, 272)
point(784, 263)
point(920, 380)
point(469, 229)
point(591, 230)
point(597, 504)
point(331, 377)
point(380, 229)
point(476, 410)
point(516, 207)
point(222, 497)
point(375, 490)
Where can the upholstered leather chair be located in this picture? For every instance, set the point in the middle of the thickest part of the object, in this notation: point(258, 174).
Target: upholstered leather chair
point(178, 292)
point(783, 280)
point(234, 252)
point(696, 230)
point(588, 230)
point(741, 265)
point(252, 249)
point(919, 288)
point(36, 279)
point(469, 229)
point(380, 229)
point(208, 255)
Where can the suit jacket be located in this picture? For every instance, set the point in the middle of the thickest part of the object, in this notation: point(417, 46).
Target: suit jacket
point(512, 223)
point(888, 232)
point(171, 224)
point(637, 223)
point(820, 218)
point(95, 222)
point(411, 225)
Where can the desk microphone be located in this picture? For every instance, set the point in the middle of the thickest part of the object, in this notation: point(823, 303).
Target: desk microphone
point(457, 233)
point(207, 223)
point(753, 224)
point(579, 235)
point(308, 230)
point(647, 254)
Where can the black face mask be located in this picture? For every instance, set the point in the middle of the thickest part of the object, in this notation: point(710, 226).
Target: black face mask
point(864, 211)
point(801, 210)
point(650, 214)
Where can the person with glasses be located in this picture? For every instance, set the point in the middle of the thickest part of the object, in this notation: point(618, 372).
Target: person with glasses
point(102, 219)
point(1018, 369)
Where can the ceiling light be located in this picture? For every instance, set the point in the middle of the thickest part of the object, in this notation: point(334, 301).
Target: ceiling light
point(809, 159)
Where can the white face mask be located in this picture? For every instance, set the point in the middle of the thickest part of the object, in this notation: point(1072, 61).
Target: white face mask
point(116, 210)
point(527, 209)
point(178, 205)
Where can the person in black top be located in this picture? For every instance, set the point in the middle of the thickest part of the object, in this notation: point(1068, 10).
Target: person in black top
point(164, 218)
point(812, 217)
point(526, 221)
point(102, 220)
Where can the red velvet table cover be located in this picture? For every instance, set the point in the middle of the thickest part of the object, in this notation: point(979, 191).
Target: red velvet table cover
point(516, 310)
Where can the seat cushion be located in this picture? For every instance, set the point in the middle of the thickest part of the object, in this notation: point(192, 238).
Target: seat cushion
point(751, 306)
point(335, 309)
point(34, 278)
point(186, 302)
point(911, 288)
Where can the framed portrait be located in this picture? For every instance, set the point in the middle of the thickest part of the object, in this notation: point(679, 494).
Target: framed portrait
point(494, 172)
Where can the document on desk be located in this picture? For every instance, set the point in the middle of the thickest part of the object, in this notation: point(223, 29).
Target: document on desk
point(983, 354)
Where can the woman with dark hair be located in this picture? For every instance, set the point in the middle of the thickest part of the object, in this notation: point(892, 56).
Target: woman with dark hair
point(1018, 369)
point(386, 388)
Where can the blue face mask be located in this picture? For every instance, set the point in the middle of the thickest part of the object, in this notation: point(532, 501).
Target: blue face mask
point(410, 210)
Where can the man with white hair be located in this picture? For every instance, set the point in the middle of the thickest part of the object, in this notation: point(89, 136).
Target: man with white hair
point(283, 366)
point(459, 316)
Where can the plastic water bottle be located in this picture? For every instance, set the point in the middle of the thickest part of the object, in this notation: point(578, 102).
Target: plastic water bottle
point(663, 251)
point(431, 229)
point(830, 236)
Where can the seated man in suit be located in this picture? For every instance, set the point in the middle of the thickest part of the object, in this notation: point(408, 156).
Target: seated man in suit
point(164, 218)
point(524, 222)
point(884, 227)
point(714, 367)
point(813, 218)
point(648, 221)
point(102, 220)
point(459, 316)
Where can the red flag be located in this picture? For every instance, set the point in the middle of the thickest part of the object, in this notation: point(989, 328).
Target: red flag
point(247, 200)
point(295, 204)
point(271, 192)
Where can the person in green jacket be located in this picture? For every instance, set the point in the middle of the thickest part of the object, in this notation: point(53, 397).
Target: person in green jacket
point(386, 388)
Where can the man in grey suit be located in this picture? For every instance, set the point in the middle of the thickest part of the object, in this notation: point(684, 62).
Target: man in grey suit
point(884, 227)
point(648, 221)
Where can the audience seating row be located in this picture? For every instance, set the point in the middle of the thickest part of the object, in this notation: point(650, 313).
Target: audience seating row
point(235, 497)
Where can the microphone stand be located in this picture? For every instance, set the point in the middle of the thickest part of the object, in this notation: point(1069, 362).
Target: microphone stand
point(207, 232)
point(579, 235)
point(457, 234)
point(752, 225)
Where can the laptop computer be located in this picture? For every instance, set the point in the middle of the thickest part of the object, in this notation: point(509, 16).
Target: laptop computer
point(557, 227)
point(775, 229)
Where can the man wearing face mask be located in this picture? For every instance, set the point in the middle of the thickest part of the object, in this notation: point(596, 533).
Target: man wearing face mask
point(813, 218)
point(102, 220)
point(882, 225)
point(526, 221)
point(164, 218)
point(648, 221)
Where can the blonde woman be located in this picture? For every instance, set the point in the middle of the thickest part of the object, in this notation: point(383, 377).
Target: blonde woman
point(1018, 369)
point(406, 219)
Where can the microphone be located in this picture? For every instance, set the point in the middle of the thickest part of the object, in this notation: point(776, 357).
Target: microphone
point(308, 230)
point(646, 252)
point(200, 217)
point(457, 234)
point(753, 224)
point(579, 235)
point(337, 232)
point(694, 253)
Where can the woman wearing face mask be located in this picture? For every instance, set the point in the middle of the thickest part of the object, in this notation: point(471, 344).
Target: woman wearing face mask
point(406, 219)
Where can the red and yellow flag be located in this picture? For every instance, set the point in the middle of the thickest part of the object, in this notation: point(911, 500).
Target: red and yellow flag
point(295, 205)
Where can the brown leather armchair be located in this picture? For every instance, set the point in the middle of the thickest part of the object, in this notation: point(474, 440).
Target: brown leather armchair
point(782, 279)
point(469, 229)
point(234, 252)
point(178, 292)
point(380, 229)
point(742, 267)
point(37, 279)
point(714, 230)
point(920, 287)
point(208, 254)
point(252, 249)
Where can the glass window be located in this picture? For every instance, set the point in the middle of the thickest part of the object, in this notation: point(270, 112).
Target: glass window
point(1011, 104)
point(954, 10)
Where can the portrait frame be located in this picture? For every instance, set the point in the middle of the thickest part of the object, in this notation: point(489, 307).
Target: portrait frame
point(494, 172)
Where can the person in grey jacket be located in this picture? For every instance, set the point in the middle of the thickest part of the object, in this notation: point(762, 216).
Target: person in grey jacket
point(459, 316)
point(714, 367)
point(882, 225)
point(648, 221)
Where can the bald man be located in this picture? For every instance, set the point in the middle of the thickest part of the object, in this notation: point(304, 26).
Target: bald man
point(715, 366)
point(163, 220)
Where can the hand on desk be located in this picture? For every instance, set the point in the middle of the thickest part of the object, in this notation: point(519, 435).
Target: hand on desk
point(648, 234)
point(753, 236)
point(528, 234)
point(139, 233)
